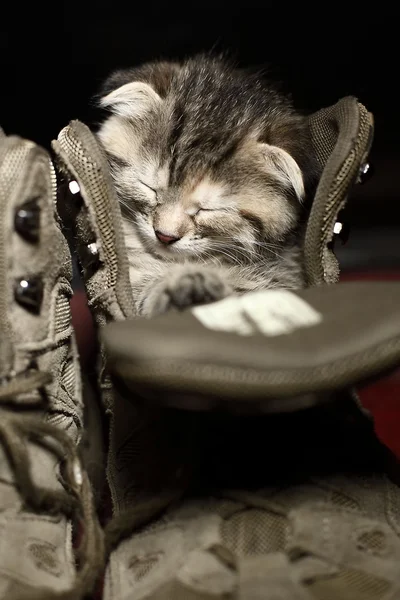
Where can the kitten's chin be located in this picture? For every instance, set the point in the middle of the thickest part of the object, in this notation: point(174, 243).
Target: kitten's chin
point(173, 252)
point(165, 252)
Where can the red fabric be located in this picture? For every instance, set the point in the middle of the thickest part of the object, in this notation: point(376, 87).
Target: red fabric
point(84, 328)
point(382, 398)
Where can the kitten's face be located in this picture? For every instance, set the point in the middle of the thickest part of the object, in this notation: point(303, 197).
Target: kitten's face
point(196, 197)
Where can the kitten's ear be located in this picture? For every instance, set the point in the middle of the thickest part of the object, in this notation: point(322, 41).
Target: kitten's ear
point(285, 169)
point(133, 99)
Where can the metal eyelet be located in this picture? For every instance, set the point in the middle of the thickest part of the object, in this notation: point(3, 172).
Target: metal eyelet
point(28, 292)
point(365, 173)
point(27, 220)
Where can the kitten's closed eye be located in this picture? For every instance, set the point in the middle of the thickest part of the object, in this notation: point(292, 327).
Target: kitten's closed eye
point(195, 212)
point(217, 209)
point(146, 185)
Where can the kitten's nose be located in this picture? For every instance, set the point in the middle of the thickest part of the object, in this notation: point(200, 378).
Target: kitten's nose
point(166, 239)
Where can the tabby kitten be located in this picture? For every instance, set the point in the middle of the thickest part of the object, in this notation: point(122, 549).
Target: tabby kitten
point(211, 166)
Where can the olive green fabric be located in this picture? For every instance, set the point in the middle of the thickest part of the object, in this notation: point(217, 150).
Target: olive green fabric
point(98, 221)
point(44, 491)
point(342, 136)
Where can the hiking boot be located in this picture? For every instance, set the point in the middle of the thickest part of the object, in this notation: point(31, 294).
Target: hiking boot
point(281, 507)
point(206, 504)
point(51, 544)
point(282, 503)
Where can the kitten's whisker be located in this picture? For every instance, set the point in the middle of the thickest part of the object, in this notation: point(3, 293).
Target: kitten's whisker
point(126, 205)
point(266, 245)
point(224, 252)
point(233, 250)
point(243, 251)
point(229, 255)
point(201, 258)
point(208, 254)
point(269, 247)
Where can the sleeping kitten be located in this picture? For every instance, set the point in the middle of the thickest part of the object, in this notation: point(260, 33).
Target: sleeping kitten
point(211, 166)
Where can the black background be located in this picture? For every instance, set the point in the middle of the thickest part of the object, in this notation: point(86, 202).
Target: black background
point(53, 58)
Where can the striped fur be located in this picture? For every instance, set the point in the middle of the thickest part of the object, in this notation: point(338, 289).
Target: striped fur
point(217, 159)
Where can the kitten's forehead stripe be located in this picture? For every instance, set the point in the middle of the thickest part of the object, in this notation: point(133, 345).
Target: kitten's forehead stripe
point(206, 191)
point(176, 130)
point(162, 177)
point(194, 155)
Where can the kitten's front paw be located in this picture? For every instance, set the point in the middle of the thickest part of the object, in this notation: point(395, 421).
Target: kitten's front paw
point(184, 289)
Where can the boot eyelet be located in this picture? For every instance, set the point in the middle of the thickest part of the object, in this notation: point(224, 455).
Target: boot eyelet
point(27, 220)
point(28, 292)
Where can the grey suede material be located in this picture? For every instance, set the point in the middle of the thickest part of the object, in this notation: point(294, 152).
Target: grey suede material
point(342, 137)
point(40, 423)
